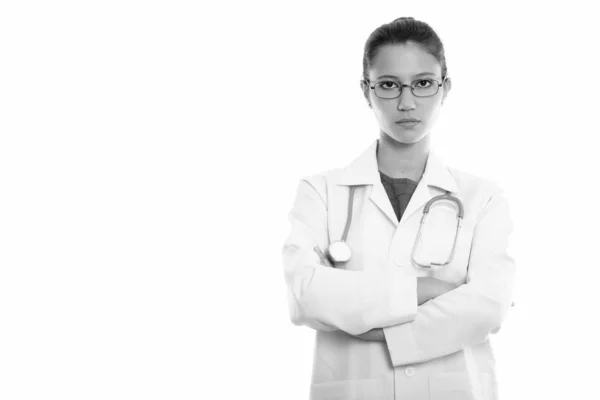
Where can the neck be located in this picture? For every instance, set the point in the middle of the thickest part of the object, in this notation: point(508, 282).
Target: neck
point(401, 160)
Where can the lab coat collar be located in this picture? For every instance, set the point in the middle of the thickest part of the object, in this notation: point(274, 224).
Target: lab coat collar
point(364, 170)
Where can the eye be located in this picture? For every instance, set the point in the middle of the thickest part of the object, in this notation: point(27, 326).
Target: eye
point(423, 83)
point(387, 85)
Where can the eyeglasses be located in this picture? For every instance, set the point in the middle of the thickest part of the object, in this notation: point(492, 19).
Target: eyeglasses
point(388, 89)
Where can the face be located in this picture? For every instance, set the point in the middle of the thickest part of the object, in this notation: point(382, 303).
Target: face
point(403, 64)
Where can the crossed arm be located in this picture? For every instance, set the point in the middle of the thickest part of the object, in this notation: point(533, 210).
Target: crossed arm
point(427, 289)
point(408, 313)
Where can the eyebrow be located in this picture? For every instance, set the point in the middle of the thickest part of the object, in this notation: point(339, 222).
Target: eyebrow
point(417, 75)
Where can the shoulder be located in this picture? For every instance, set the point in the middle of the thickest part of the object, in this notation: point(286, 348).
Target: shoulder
point(475, 187)
point(321, 181)
point(470, 181)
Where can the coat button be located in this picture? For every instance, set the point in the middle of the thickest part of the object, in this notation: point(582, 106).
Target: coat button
point(410, 371)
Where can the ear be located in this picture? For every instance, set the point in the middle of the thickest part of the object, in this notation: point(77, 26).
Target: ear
point(447, 87)
point(366, 91)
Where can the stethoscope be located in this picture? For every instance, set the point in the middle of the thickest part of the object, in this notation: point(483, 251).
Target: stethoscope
point(340, 252)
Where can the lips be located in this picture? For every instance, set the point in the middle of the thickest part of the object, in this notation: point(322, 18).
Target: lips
point(407, 121)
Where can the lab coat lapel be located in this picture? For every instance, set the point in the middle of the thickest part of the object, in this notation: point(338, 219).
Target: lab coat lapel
point(380, 198)
point(419, 198)
point(364, 170)
point(436, 180)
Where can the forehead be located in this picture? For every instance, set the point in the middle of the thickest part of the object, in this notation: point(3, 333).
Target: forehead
point(404, 61)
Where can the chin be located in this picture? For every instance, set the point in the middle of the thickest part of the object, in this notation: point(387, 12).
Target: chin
point(406, 136)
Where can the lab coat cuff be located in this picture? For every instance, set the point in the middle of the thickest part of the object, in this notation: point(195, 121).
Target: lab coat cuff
point(402, 344)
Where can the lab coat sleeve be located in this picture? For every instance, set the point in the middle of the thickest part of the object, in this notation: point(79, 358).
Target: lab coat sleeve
point(468, 314)
point(326, 298)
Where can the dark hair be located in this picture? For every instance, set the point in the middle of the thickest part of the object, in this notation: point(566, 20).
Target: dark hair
point(402, 30)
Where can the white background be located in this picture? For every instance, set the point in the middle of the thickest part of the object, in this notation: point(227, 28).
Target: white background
point(150, 152)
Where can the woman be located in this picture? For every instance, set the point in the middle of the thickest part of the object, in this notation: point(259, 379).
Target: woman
point(388, 324)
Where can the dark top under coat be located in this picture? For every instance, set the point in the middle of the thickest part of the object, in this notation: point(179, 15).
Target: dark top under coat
point(399, 191)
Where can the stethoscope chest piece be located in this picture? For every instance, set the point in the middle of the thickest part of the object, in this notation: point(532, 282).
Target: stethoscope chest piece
point(339, 252)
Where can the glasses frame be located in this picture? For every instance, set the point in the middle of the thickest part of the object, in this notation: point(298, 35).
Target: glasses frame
point(412, 88)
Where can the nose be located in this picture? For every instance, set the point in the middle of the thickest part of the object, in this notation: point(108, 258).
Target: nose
point(406, 101)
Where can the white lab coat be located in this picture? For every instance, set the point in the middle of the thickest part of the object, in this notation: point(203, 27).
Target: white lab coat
point(437, 351)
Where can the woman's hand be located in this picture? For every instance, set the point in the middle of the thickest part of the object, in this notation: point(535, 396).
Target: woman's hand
point(430, 288)
point(324, 260)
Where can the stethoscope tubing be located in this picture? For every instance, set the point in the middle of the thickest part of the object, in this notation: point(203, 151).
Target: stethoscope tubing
point(350, 212)
point(459, 218)
point(432, 265)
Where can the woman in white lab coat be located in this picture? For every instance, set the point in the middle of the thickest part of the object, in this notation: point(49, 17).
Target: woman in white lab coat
point(387, 328)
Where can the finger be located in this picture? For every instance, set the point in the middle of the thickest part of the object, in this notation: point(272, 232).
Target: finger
point(322, 256)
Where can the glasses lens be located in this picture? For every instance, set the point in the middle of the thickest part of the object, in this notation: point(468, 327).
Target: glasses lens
point(387, 90)
point(425, 87)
